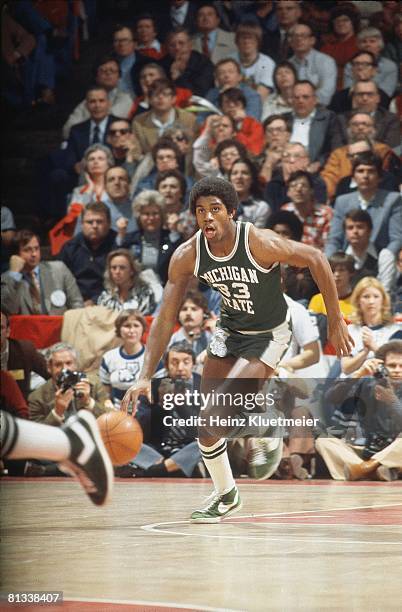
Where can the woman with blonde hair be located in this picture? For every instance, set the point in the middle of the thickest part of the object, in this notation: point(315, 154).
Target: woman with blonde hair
point(371, 323)
point(127, 287)
point(96, 161)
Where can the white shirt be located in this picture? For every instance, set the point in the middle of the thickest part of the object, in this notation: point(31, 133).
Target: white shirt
point(178, 15)
point(301, 129)
point(259, 73)
point(304, 330)
point(164, 126)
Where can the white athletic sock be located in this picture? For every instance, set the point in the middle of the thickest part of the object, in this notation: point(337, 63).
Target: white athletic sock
point(39, 441)
point(217, 463)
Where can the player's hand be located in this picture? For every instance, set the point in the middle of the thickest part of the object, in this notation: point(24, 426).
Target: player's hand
point(16, 263)
point(340, 338)
point(141, 387)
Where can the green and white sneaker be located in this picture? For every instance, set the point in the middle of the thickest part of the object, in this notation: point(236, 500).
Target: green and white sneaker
point(264, 458)
point(219, 507)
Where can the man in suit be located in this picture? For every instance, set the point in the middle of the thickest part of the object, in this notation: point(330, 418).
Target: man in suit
point(32, 286)
point(20, 358)
point(60, 174)
point(149, 126)
point(52, 404)
point(384, 208)
point(187, 68)
point(314, 127)
point(210, 39)
point(107, 73)
point(366, 99)
point(276, 43)
point(178, 13)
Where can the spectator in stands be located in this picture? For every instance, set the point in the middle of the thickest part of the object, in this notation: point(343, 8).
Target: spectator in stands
point(244, 177)
point(314, 127)
point(341, 42)
point(65, 165)
point(257, 68)
point(288, 13)
point(187, 68)
point(121, 366)
point(148, 74)
point(7, 235)
point(151, 244)
point(343, 269)
point(358, 227)
point(145, 32)
point(96, 161)
point(371, 39)
point(193, 316)
point(171, 184)
point(228, 75)
point(12, 399)
point(32, 286)
point(180, 13)
point(294, 157)
point(279, 102)
point(183, 139)
point(124, 47)
point(298, 282)
point(210, 39)
point(338, 169)
point(20, 358)
point(219, 162)
point(384, 208)
point(378, 411)
point(366, 99)
point(51, 403)
point(124, 145)
point(364, 68)
point(316, 218)
point(371, 323)
point(277, 129)
point(107, 72)
point(392, 49)
point(151, 125)
point(166, 155)
point(85, 254)
point(172, 449)
point(249, 131)
point(311, 65)
point(396, 290)
point(127, 287)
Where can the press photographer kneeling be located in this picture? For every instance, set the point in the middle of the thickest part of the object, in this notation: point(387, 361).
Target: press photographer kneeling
point(171, 448)
point(377, 395)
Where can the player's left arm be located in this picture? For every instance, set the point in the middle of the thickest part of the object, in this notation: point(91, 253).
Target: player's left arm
point(268, 248)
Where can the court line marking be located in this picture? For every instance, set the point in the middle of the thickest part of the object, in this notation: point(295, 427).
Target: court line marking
point(140, 602)
point(153, 527)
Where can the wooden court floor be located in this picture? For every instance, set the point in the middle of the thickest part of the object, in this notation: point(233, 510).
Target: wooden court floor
point(310, 546)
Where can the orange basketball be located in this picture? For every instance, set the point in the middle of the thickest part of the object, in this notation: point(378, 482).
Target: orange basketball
point(122, 436)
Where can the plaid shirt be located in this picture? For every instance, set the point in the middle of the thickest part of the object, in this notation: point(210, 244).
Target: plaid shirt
point(316, 225)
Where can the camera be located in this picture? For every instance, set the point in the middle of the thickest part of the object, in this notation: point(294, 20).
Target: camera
point(67, 379)
point(382, 375)
point(375, 443)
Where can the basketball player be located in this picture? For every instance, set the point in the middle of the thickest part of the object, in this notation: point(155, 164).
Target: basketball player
point(242, 263)
point(77, 446)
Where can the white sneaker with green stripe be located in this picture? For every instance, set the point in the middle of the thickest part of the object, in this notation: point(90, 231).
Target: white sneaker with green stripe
point(219, 506)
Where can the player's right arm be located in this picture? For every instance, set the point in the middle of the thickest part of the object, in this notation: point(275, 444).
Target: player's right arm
point(181, 269)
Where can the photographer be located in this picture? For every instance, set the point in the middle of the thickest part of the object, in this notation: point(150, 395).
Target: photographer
point(67, 391)
point(377, 397)
point(172, 448)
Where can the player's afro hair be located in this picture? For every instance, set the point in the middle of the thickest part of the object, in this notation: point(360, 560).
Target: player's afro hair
point(218, 187)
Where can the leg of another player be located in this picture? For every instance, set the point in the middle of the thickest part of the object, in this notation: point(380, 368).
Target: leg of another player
point(77, 448)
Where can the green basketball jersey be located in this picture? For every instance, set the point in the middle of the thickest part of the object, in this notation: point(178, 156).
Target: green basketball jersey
point(252, 298)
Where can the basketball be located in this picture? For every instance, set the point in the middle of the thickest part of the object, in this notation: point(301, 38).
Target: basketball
point(122, 436)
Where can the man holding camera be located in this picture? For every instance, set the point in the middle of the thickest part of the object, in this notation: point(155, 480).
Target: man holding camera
point(172, 447)
point(378, 401)
point(67, 391)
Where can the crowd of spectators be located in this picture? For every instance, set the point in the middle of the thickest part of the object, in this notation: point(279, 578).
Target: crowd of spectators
point(295, 103)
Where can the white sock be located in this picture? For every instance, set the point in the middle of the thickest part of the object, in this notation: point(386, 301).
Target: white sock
point(39, 441)
point(217, 463)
